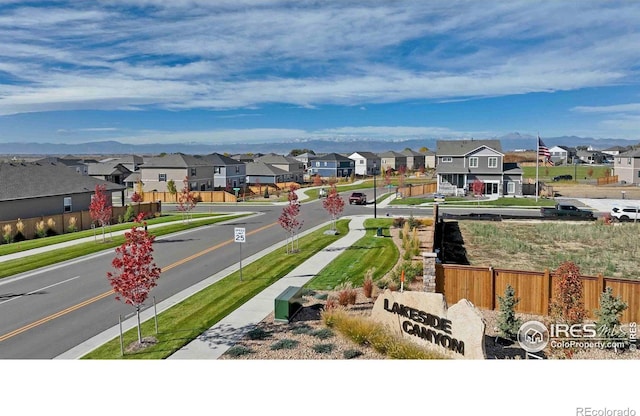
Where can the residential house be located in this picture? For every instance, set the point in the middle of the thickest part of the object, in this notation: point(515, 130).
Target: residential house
point(562, 155)
point(228, 173)
point(429, 159)
point(156, 172)
point(266, 174)
point(38, 189)
point(109, 171)
point(307, 160)
point(332, 165)
point(131, 162)
point(393, 160)
point(76, 165)
point(627, 166)
point(293, 167)
point(462, 162)
point(615, 150)
point(591, 156)
point(365, 162)
point(246, 157)
point(415, 160)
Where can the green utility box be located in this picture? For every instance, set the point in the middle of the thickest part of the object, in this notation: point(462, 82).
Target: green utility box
point(379, 232)
point(288, 303)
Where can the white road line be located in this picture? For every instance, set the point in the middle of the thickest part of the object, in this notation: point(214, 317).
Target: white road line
point(38, 290)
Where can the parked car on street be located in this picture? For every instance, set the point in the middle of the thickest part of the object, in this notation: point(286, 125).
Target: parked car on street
point(322, 193)
point(567, 211)
point(562, 178)
point(626, 213)
point(358, 198)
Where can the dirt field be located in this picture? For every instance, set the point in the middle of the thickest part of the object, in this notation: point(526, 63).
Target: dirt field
point(593, 191)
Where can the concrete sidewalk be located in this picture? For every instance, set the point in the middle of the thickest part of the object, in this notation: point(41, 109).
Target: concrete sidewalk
point(218, 339)
point(215, 341)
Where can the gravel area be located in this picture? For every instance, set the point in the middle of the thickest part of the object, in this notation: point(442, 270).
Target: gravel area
point(309, 339)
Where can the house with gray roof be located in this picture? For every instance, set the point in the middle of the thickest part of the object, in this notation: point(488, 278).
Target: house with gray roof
point(393, 160)
point(266, 174)
point(415, 160)
point(462, 162)
point(332, 165)
point(109, 171)
point(157, 171)
point(38, 189)
point(228, 173)
point(365, 162)
point(294, 167)
point(627, 166)
point(76, 165)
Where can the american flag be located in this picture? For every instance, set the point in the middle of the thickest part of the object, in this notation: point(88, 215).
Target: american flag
point(543, 150)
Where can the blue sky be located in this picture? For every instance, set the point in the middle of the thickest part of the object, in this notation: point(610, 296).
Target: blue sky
point(237, 71)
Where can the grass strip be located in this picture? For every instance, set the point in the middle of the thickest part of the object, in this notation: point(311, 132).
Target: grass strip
point(25, 264)
point(63, 238)
point(185, 321)
point(368, 252)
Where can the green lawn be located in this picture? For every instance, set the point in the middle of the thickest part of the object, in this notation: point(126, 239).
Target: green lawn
point(546, 173)
point(187, 320)
point(25, 264)
point(42, 242)
point(351, 266)
point(418, 201)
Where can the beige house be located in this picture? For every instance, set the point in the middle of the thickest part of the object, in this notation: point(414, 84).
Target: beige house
point(627, 166)
point(156, 172)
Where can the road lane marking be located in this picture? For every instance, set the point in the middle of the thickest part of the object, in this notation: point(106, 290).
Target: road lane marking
point(38, 290)
point(110, 292)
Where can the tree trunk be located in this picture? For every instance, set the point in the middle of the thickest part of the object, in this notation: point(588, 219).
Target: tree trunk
point(139, 327)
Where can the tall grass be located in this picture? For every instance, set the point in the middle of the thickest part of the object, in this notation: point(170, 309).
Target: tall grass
point(595, 247)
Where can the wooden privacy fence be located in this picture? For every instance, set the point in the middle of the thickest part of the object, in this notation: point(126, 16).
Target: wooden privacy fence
point(607, 180)
point(482, 286)
point(61, 223)
point(418, 189)
point(203, 196)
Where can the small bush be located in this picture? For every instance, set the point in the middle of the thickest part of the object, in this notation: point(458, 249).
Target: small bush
point(7, 229)
point(258, 333)
point(302, 330)
point(323, 348)
point(323, 333)
point(367, 284)
point(398, 222)
point(41, 230)
point(129, 214)
point(347, 297)
point(238, 351)
point(72, 227)
point(331, 303)
point(350, 354)
point(321, 296)
point(285, 344)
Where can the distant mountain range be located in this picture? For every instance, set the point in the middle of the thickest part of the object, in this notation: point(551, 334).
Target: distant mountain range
point(510, 142)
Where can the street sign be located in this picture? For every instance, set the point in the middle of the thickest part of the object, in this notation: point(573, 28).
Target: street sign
point(239, 235)
point(236, 189)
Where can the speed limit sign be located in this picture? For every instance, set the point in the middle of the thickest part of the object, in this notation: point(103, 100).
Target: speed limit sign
point(239, 235)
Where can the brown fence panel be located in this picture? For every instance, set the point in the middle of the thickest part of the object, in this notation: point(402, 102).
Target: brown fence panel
point(464, 282)
point(629, 291)
point(607, 180)
point(532, 288)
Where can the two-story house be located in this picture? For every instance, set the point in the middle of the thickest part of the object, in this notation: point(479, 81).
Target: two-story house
point(293, 167)
point(157, 171)
point(415, 160)
point(627, 166)
point(332, 165)
point(109, 171)
point(461, 162)
point(562, 155)
point(393, 160)
point(228, 173)
point(365, 163)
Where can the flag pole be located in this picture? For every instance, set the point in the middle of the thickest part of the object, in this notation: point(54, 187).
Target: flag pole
point(537, 163)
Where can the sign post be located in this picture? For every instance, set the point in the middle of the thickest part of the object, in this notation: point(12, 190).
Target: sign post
point(240, 236)
point(236, 190)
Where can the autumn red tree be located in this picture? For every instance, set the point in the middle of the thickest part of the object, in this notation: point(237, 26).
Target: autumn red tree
point(136, 273)
point(100, 207)
point(186, 200)
point(317, 180)
point(567, 305)
point(333, 204)
point(288, 219)
point(136, 198)
point(402, 170)
point(477, 187)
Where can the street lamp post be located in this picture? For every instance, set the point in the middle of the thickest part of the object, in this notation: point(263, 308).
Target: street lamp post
point(375, 202)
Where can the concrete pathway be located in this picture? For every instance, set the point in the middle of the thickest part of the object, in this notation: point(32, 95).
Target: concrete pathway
point(215, 341)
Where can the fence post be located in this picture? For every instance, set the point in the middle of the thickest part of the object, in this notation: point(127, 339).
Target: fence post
point(493, 287)
point(546, 291)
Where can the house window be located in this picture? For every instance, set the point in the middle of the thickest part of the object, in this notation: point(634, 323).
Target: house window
point(446, 159)
point(193, 171)
point(162, 177)
point(362, 161)
point(318, 164)
point(473, 162)
point(628, 161)
point(493, 162)
point(325, 164)
point(217, 169)
point(237, 169)
point(511, 188)
point(67, 204)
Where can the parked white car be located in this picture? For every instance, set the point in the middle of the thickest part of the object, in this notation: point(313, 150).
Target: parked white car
point(626, 213)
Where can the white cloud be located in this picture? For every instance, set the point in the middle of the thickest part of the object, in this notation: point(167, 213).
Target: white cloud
point(229, 54)
point(618, 108)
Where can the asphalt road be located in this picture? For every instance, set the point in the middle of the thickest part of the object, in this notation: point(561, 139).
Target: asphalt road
point(48, 311)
